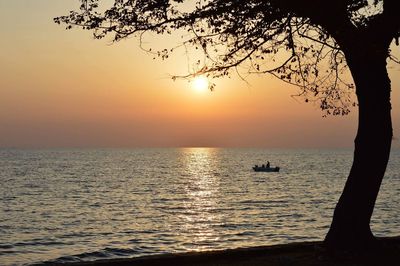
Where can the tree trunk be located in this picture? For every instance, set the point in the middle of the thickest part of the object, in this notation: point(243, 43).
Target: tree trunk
point(350, 228)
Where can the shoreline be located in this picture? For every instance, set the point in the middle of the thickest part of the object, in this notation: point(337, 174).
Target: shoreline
point(298, 253)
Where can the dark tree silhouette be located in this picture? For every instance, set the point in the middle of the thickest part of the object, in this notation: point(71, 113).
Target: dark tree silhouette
point(303, 42)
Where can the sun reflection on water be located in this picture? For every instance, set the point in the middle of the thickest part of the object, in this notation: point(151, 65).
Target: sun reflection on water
point(202, 189)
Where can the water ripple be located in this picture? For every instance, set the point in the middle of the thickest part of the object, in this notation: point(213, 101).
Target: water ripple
point(83, 205)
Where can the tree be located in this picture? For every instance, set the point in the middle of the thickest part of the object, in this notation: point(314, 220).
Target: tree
point(307, 43)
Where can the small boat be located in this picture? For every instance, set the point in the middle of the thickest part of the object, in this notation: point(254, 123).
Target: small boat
point(257, 168)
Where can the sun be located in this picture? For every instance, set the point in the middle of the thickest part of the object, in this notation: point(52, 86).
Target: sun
point(200, 83)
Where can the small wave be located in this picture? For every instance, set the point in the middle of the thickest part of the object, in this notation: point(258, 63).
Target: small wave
point(7, 252)
point(247, 233)
point(6, 246)
point(235, 226)
point(263, 202)
point(39, 242)
point(135, 241)
point(106, 253)
point(76, 235)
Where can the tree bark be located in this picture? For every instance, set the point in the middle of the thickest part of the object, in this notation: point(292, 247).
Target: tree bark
point(350, 228)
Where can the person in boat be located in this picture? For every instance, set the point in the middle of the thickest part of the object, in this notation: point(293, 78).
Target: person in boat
point(268, 164)
point(263, 166)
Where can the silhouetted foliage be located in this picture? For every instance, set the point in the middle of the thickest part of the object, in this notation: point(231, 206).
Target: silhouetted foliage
point(307, 43)
point(288, 39)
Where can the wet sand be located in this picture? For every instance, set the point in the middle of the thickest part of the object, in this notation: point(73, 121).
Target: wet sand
point(305, 253)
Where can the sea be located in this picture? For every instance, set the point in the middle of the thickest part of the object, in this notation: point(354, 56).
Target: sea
point(71, 205)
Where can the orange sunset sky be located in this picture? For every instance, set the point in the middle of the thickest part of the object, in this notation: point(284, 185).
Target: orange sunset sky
point(62, 88)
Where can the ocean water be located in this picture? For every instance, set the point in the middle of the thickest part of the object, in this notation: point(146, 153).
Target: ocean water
point(83, 205)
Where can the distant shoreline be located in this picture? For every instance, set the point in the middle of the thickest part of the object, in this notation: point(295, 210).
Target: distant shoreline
point(300, 253)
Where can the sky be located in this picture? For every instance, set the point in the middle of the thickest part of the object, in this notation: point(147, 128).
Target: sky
point(62, 89)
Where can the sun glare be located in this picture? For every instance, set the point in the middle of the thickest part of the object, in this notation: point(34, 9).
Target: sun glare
point(200, 83)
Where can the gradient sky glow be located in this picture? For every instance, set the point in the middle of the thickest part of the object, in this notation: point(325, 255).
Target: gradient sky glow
point(62, 88)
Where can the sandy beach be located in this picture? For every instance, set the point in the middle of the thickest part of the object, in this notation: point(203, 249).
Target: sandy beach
point(306, 253)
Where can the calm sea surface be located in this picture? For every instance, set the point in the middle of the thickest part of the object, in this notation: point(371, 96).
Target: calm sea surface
point(74, 205)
